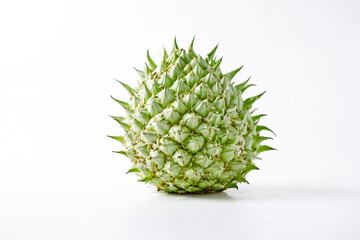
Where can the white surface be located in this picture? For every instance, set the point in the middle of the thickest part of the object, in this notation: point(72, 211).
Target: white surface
point(58, 177)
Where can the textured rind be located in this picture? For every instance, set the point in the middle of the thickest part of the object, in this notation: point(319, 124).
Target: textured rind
point(187, 128)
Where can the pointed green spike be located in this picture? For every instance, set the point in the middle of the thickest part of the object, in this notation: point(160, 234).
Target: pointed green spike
point(233, 185)
point(232, 74)
point(247, 86)
point(240, 178)
point(211, 55)
point(165, 55)
point(192, 43)
point(118, 119)
point(175, 45)
point(262, 138)
point(123, 104)
point(202, 62)
point(257, 117)
point(252, 111)
point(148, 71)
point(191, 52)
point(121, 139)
point(144, 116)
point(127, 87)
point(156, 87)
point(248, 102)
point(121, 152)
point(151, 62)
point(163, 64)
point(263, 148)
point(133, 170)
point(138, 125)
point(249, 168)
point(240, 86)
point(147, 94)
point(259, 139)
point(263, 128)
point(141, 73)
point(125, 126)
point(218, 63)
point(146, 179)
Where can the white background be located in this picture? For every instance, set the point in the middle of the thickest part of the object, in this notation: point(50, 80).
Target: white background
point(58, 177)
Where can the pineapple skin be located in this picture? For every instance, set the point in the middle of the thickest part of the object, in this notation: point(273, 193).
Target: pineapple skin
point(187, 128)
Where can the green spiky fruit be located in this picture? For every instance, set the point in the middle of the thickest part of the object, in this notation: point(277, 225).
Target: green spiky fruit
point(187, 128)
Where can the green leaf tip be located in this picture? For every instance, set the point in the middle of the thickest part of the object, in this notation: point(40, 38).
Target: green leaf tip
point(121, 139)
point(264, 128)
point(233, 185)
point(175, 47)
point(249, 168)
point(192, 43)
point(240, 178)
point(247, 86)
point(263, 148)
point(240, 86)
point(151, 62)
point(211, 55)
point(121, 152)
point(146, 179)
point(122, 103)
point(141, 73)
point(147, 69)
point(131, 170)
point(257, 117)
point(232, 74)
point(125, 126)
point(127, 87)
point(259, 139)
point(118, 119)
point(248, 102)
point(218, 63)
point(165, 55)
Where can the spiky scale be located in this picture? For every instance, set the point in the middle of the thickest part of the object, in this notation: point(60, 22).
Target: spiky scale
point(247, 86)
point(175, 47)
point(146, 179)
point(249, 168)
point(188, 128)
point(192, 43)
point(118, 119)
point(263, 148)
point(141, 73)
point(231, 75)
point(217, 63)
point(264, 128)
point(257, 117)
point(123, 104)
point(133, 170)
point(151, 62)
point(248, 102)
point(165, 54)
point(121, 139)
point(130, 90)
point(211, 55)
point(240, 86)
point(121, 152)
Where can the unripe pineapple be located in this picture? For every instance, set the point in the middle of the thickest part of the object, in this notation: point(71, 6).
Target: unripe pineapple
point(187, 128)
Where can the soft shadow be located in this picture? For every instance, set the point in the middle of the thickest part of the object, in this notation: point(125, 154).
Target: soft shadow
point(207, 196)
point(292, 192)
point(275, 192)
